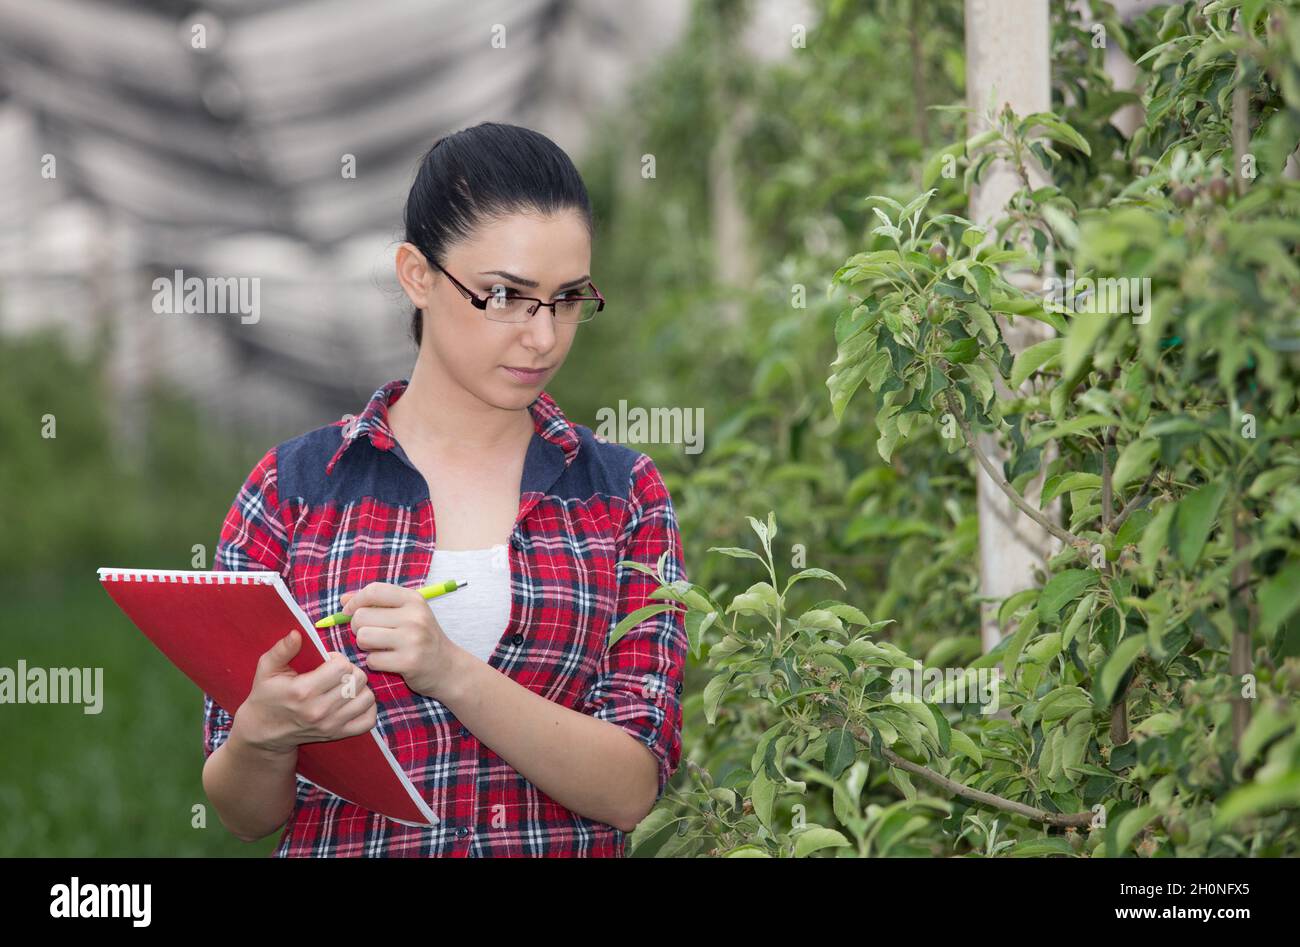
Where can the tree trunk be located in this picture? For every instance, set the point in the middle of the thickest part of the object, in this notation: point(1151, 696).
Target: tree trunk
point(1007, 49)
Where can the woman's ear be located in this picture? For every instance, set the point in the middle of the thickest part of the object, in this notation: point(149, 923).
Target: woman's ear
point(414, 274)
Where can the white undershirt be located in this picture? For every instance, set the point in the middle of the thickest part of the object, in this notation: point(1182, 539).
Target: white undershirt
point(476, 616)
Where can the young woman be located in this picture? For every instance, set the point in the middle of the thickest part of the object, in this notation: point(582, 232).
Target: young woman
point(526, 733)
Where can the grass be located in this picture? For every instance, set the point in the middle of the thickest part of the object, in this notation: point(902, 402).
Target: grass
point(124, 782)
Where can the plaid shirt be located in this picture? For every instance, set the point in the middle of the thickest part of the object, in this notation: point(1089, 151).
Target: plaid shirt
point(342, 506)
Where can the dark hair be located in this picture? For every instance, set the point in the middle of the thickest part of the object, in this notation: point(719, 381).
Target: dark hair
point(488, 171)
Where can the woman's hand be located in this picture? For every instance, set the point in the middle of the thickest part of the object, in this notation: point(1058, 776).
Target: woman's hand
point(397, 629)
point(285, 709)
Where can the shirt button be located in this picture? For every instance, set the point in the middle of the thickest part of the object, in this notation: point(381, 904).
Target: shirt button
point(462, 832)
point(464, 732)
point(518, 638)
point(678, 688)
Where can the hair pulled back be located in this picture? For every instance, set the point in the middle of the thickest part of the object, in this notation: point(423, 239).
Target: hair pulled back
point(481, 173)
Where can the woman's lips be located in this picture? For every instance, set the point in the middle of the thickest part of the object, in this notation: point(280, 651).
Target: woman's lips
point(526, 375)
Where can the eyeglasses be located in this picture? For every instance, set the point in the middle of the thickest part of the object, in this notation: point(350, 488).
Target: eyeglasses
point(504, 305)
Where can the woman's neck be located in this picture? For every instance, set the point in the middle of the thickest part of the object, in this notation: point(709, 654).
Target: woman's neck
point(435, 413)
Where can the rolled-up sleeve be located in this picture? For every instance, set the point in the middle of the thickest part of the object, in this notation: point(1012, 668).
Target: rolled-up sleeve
point(253, 538)
point(638, 683)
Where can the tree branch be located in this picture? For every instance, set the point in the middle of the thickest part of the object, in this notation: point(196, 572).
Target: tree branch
point(1107, 487)
point(1131, 505)
point(1061, 819)
point(1239, 657)
point(1064, 535)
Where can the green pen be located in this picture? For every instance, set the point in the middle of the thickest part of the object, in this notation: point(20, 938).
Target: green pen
point(429, 591)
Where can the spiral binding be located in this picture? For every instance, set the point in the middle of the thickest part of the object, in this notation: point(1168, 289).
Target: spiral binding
point(185, 578)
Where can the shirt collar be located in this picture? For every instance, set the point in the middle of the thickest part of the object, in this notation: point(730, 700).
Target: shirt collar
point(549, 423)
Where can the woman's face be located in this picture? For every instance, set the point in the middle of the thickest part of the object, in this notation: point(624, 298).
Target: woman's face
point(523, 254)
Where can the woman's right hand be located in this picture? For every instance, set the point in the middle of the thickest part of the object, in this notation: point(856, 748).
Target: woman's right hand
point(285, 709)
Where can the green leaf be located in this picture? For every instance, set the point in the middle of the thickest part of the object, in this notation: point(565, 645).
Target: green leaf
point(1062, 224)
point(922, 712)
point(963, 350)
point(1074, 746)
point(815, 838)
point(846, 612)
point(1266, 725)
point(1194, 519)
point(979, 281)
point(981, 379)
point(697, 623)
point(1063, 702)
point(762, 792)
point(846, 799)
point(1258, 799)
point(1279, 597)
point(638, 616)
point(1013, 602)
point(983, 320)
point(1057, 130)
point(1115, 668)
point(1027, 626)
point(945, 728)
point(1081, 613)
point(1084, 422)
point(1053, 845)
point(841, 750)
point(1062, 589)
point(1085, 330)
point(713, 692)
point(1270, 480)
point(1156, 535)
point(746, 851)
point(736, 552)
point(917, 203)
point(1134, 461)
point(1033, 359)
point(904, 783)
point(820, 618)
point(1068, 483)
point(814, 574)
point(963, 744)
point(1123, 830)
point(843, 384)
point(651, 833)
point(1157, 725)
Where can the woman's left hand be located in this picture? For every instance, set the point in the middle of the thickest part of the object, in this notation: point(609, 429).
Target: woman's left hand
point(400, 634)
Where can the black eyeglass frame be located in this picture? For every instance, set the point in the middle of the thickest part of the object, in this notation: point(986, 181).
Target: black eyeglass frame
point(481, 302)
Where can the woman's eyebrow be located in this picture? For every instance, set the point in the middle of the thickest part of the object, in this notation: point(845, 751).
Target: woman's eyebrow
point(580, 281)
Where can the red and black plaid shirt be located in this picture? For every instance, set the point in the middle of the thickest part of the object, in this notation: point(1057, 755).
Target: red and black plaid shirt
point(342, 506)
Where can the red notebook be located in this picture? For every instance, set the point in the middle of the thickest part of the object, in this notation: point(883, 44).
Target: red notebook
point(215, 625)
